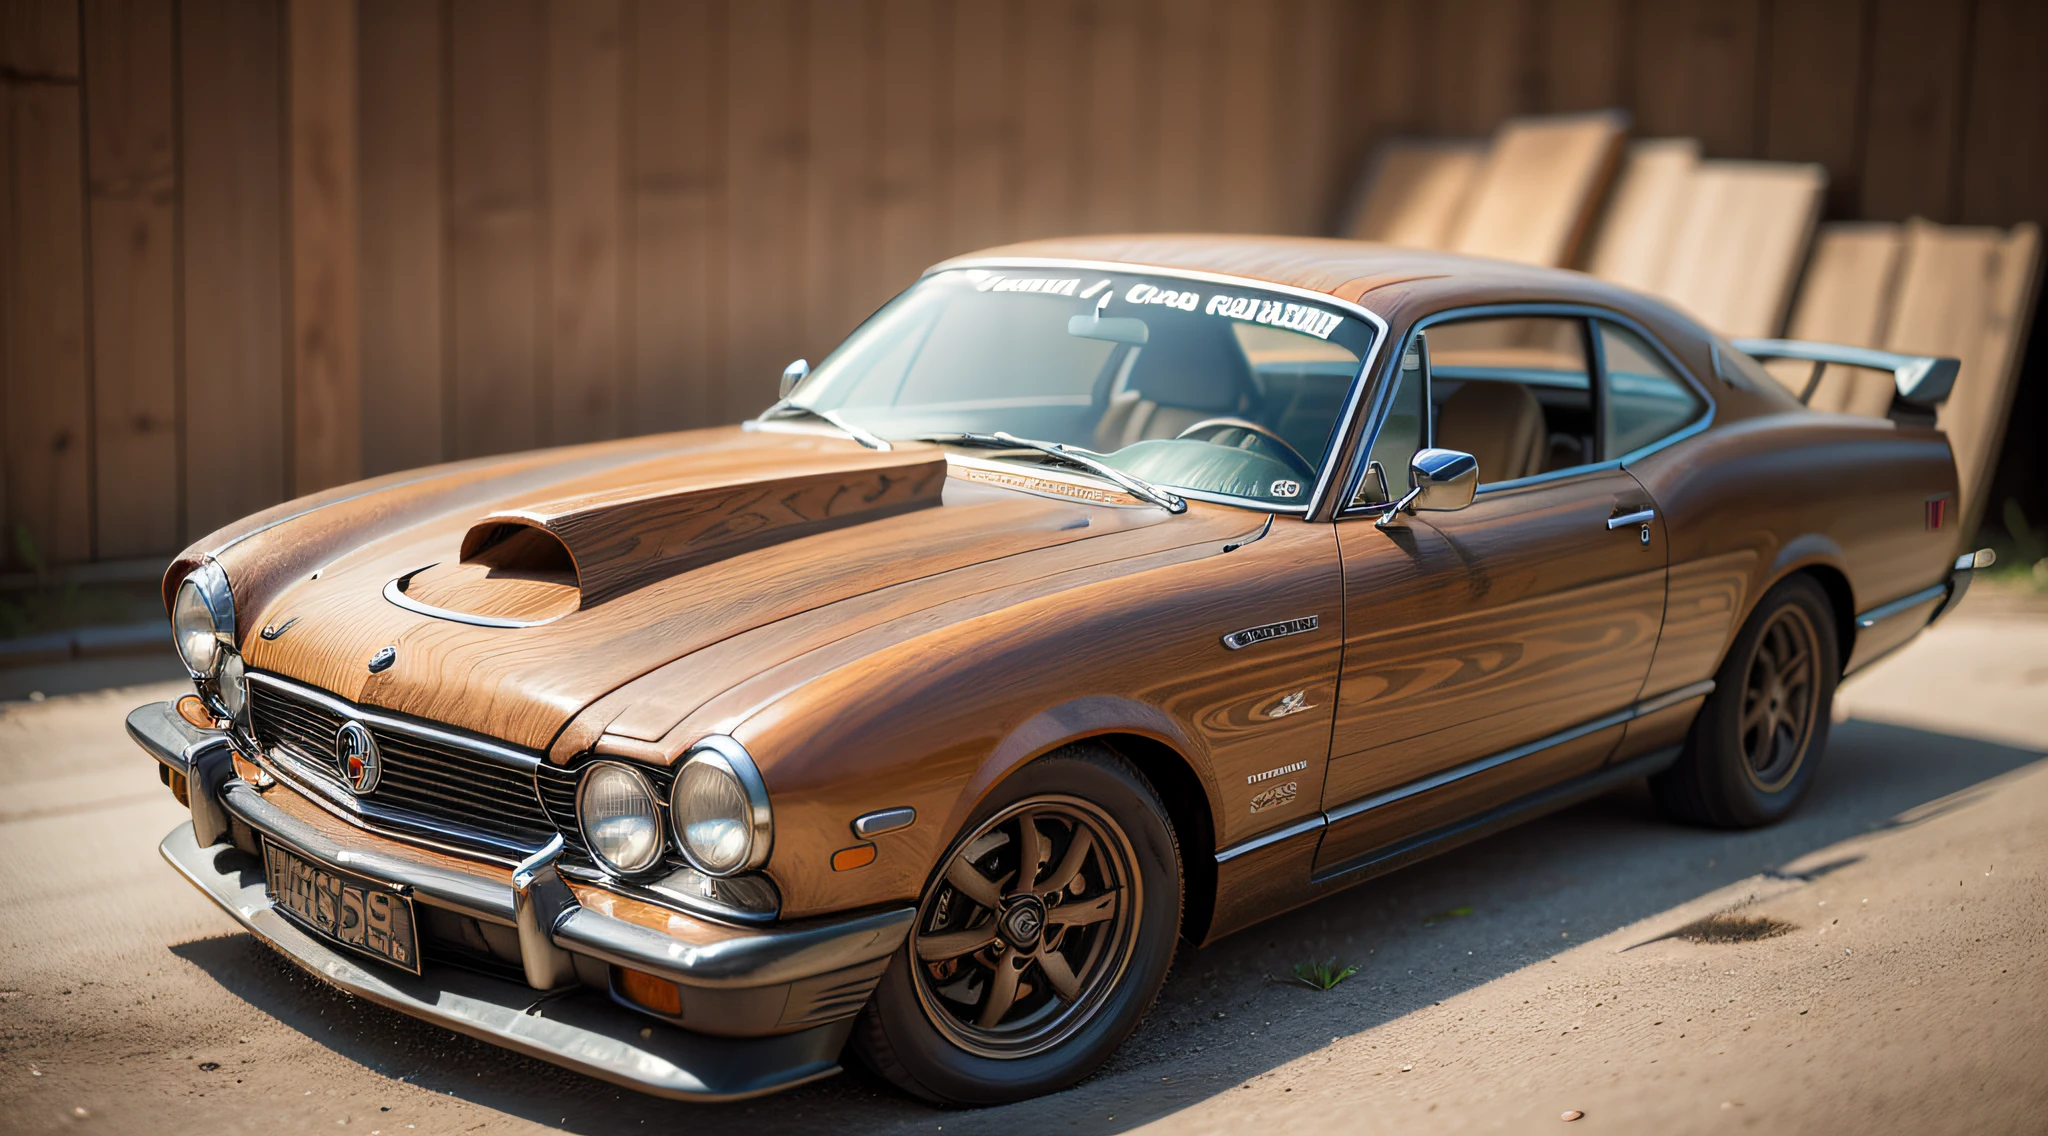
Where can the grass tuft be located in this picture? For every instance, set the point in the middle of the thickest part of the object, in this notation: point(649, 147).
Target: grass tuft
point(1322, 975)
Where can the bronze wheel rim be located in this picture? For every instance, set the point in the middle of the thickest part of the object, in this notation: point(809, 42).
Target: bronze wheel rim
point(1028, 929)
point(1780, 697)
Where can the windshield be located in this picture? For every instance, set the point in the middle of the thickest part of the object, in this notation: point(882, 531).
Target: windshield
point(1222, 390)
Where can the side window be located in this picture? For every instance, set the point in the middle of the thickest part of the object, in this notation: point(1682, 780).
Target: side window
point(1515, 392)
point(1645, 400)
point(1400, 436)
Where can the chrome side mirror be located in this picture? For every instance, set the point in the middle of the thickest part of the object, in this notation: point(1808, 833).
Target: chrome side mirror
point(1441, 481)
point(793, 376)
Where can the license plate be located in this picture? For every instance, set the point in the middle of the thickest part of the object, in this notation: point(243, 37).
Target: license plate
point(345, 909)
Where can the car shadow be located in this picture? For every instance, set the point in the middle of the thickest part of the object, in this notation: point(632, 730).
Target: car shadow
point(1418, 936)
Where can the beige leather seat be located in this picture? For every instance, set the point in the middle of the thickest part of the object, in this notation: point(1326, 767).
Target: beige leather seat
point(1196, 373)
point(1501, 424)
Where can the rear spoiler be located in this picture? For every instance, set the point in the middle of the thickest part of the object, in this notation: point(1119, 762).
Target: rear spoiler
point(1924, 381)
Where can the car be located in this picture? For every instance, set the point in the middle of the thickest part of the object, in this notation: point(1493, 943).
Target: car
point(1095, 596)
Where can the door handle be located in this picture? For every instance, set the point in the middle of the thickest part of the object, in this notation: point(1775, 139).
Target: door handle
point(1624, 520)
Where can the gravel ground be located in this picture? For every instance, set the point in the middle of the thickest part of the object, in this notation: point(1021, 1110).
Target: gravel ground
point(1901, 983)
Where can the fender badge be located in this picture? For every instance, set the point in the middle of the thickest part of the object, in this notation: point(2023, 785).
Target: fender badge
point(1250, 635)
point(382, 660)
point(1292, 704)
point(276, 629)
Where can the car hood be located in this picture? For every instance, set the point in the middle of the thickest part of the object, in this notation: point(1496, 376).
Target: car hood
point(512, 593)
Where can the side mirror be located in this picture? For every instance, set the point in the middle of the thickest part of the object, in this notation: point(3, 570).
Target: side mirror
point(794, 375)
point(1441, 481)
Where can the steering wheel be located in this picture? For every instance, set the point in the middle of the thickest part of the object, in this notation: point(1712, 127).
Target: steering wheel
point(1242, 434)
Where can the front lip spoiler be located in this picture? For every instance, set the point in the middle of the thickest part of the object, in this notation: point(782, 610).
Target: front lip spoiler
point(585, 1030)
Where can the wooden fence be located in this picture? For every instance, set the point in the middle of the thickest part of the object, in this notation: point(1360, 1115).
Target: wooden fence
point(257, 247)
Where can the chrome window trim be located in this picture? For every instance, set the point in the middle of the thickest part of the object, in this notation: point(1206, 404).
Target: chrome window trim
point(1343, 426)
point(1439, 779)
point(1383, 392)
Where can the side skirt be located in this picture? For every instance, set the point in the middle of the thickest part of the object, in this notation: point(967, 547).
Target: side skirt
point(1564, 794)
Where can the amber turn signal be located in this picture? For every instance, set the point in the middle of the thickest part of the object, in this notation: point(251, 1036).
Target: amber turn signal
point(858, 856)
point(194, 711)
point(643, 989)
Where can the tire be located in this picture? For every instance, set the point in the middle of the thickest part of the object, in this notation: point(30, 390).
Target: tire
point(934, 1027)
point(1754, 749)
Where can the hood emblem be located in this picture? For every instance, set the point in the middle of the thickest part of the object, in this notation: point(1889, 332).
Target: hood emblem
point(382, 660)
point(355, 754)
point(276, 629)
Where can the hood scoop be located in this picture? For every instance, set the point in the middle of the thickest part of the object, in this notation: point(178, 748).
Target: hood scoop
point(541, 560)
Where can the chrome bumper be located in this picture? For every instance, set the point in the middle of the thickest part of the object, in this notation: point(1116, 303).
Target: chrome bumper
point(791, 990)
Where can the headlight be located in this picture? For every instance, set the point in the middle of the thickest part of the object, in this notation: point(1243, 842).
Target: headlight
point(203, 620)
point(621, 821)
point(719, 808)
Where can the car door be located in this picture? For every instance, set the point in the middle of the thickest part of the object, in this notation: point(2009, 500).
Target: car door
point(1497, 649)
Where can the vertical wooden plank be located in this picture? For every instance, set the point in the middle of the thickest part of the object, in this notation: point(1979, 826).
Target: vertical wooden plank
point(982, 131)
point(496, 226)
point(1579, 61)
point(765, 174)
point(1478, 65)
point(1118, 125)
point(39, 39)
point(327, 400)
point(1915, 93)
point(48, 429)
point(1182, 31)
point(677, 107)
point(585, 227)
point(908, 125)
point(131, 164)
point(1813, 89)
point(401, 152)
point(231, 174)
point(1693, 64)
point(1047, 92)
point(1240, 171)
point(2005, 140)
point(1307, 191)
point(842, 212)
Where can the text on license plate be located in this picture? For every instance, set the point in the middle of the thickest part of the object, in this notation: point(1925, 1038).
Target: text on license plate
point(350, 910)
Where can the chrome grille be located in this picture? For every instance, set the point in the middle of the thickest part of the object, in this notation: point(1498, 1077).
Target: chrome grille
point(437, 783)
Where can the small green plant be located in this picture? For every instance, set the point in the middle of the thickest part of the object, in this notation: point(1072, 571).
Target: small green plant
point(1453, 913)
point(1322, 975)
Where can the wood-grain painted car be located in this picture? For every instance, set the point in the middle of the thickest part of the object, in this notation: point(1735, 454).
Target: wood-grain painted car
point(1095, 595)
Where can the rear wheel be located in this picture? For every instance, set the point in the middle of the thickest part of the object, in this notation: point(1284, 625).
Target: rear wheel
point(1754, 749)
point(1040, 943)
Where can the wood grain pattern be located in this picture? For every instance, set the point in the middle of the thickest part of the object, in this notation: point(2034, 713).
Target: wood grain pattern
point(1812, 87)
point(1533, 197)
point(403, 259)
point(1913, 110)
point(230, 172)
point(1693, 70)
point(764, 170)
point(2004, 157)
point(1415, 194)
point(1846, 296)
point(327, 397)
point(131, 168)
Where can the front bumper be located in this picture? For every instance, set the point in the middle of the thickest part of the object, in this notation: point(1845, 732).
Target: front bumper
point(790, 991)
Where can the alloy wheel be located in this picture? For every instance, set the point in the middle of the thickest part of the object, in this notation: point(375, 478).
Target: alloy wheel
point(1028, 929)
point(1779, 699)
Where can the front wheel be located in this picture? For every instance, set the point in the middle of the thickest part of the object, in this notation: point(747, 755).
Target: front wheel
point(1754, 749)
point(1042, 939)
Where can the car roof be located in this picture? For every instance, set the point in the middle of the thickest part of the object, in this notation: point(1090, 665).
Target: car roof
point(1388, 280)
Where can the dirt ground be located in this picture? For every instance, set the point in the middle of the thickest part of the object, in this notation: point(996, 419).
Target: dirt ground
point(1542, 970)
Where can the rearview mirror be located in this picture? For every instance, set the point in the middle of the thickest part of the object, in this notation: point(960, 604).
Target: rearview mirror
point(1441, 481)
point(794, 375)
point(1115, 329)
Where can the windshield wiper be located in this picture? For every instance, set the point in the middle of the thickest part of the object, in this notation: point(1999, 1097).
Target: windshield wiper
point(1135, 486)
point(782, 409)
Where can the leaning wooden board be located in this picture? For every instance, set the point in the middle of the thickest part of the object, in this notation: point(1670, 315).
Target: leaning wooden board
point(1969, 292)
point(1633, 240)
point(1533, 198)
point(1846, 297)
point(1739, 243)
point(1414, 192)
